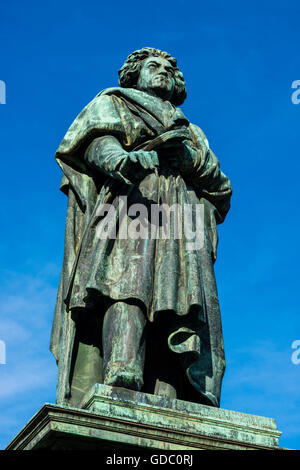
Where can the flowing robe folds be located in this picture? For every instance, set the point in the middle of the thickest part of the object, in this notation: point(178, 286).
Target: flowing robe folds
point(161, 274)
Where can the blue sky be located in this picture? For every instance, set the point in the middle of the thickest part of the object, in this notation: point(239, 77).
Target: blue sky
point(239, 60)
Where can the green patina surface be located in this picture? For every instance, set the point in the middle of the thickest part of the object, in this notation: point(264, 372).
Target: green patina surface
point(113, 418)
point(142, 313)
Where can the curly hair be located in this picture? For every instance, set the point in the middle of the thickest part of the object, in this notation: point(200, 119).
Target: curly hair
point(129, 72)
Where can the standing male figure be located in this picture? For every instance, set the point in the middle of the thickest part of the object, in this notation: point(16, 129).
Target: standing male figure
point(139, 312)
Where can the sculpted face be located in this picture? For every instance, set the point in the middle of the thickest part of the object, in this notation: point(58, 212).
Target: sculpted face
point(157, 78)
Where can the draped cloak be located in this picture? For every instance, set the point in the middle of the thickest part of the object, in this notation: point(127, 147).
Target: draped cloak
point(161, 274)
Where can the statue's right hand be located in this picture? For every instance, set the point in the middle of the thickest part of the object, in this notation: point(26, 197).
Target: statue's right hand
point(145, 159)
point(138, 164)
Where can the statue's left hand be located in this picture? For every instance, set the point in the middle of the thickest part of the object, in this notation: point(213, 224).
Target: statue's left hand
point(181, 157)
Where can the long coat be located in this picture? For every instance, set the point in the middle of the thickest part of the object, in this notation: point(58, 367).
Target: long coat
point(160, 273)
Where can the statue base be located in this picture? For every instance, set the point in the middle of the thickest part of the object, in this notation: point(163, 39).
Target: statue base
point(114, 419)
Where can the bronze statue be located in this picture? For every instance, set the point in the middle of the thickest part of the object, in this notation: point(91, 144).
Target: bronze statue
point(139, 312)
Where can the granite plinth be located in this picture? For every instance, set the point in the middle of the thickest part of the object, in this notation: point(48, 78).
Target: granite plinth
point(112, 418)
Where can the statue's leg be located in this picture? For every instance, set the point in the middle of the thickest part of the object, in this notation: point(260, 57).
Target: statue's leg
point(123, 337)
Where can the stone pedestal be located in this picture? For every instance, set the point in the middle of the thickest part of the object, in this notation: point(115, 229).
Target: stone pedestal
point(115, 419)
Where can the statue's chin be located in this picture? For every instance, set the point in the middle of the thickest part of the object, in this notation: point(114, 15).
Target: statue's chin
point(161, 92)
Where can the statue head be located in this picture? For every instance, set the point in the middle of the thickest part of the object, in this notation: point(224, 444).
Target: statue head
point(154, 72)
